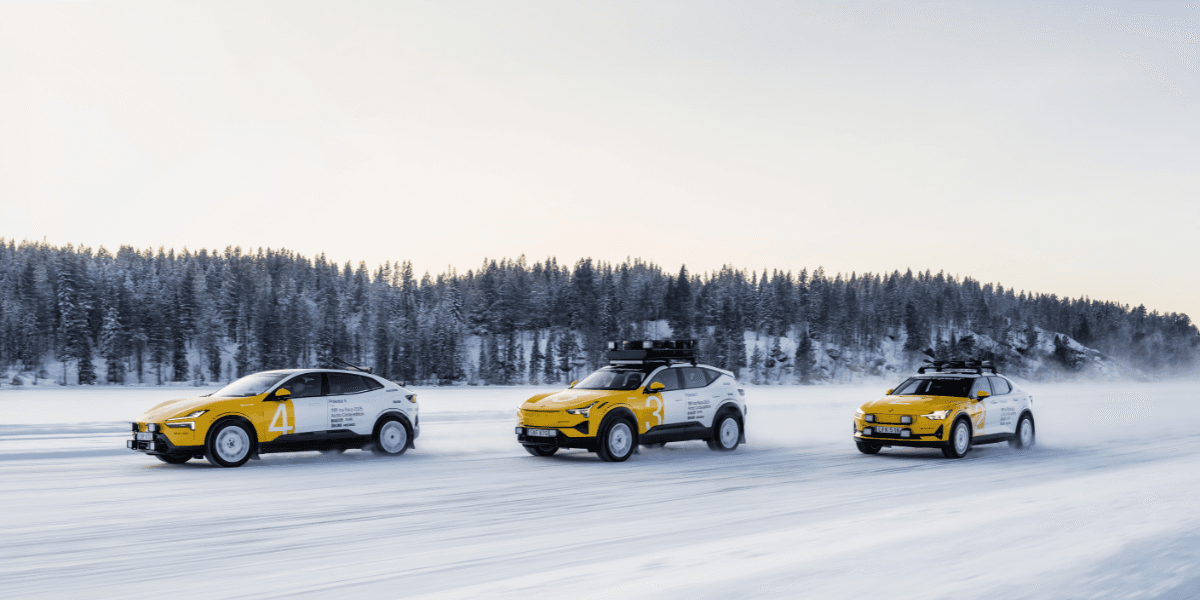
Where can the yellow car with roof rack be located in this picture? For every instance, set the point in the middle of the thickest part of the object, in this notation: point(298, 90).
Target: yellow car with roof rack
point(950, 405)
point(651, 393)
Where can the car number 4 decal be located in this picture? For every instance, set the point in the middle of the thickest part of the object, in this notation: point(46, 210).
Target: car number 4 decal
point(280, 421)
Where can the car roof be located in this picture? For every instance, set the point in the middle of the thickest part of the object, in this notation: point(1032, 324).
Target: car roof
point(291, 371)
point(955, 375)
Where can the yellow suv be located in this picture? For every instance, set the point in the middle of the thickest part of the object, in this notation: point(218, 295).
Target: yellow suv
point(651, 393)
point(282, 411)
point(951, 405)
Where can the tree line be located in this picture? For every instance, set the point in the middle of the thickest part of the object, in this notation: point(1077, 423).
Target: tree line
point(143, 316)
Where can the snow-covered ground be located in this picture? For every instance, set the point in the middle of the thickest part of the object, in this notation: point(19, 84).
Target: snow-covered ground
point(1104, 507)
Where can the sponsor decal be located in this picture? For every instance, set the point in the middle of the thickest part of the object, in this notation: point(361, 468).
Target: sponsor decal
point(697, 408)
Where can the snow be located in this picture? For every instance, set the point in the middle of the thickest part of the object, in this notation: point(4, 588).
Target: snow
point(1104, 507)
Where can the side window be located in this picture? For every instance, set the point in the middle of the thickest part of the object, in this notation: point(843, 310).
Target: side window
point(667, 377)
point(981, 385)
point(372, 385)
point(345, 383)
point(1000, 386)
point(711, 375)
point(304, 386)
point(693, 377)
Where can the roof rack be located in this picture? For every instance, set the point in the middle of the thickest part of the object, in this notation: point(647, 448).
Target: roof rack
point(649, 351)
point(351, 367)
point(957, 366)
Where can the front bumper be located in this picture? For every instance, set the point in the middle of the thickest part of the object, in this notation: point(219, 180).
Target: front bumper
point(560, 439)
point(908, 437)
point(158, 443)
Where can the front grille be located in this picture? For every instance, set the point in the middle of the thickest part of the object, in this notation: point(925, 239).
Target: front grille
point(891, 419)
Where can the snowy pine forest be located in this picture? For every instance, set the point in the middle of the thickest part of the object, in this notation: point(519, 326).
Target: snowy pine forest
point(71, 315)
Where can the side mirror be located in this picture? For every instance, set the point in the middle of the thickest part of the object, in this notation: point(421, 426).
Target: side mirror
point(574, 382)
point(982, 395)
point(282, 393)
point(655, 387)
point(889, 392)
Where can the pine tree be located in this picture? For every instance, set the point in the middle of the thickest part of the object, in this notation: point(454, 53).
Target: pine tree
point(1083, 333)
point(917, 339)
point(756, 364)
point(535, 362)
point(509, 367)
point(805, 361)
point(566, 354)
point(112, 346)
point(72, 310)
point(550, 372)
point(776, 357)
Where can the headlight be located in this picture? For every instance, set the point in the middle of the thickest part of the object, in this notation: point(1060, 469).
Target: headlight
point(858, 414)
point(937, 415)
point(869, 418)
point(586, 411)
point(191, 415)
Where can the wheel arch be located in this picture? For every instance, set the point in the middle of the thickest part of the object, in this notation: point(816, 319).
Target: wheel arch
point(615, 412)
point(730, 404)
point(235, 418)
point(963, 416)
point(399, 416)
point(1032, 421)
point(736, 409)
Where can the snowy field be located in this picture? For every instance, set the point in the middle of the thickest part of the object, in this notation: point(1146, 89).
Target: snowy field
point(1104, 507)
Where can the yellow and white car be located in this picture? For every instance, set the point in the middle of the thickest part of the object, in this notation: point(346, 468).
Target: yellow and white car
point(651, 393)
point(282, 411)
point(952, 405)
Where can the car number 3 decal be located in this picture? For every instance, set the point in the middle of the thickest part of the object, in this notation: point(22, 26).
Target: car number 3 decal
point(657, 412)
point(280, 421)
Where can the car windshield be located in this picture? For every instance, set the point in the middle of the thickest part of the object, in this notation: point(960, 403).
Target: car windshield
point(612, 378)
point(959, 387)
point(250, 385)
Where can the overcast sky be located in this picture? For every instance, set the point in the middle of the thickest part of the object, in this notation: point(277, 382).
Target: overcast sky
point(1048, 148)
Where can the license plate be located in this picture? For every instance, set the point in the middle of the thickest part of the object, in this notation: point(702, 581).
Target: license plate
point(144, 436)
point(887, 429)
point(541, 432)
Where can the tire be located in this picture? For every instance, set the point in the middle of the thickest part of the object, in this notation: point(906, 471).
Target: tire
point(391, 438)
point(727, 432)
point(229, 444)
point(331, 451)
point(1025, 436)
point(172, 460)
point(617, 440)
point(541, 450)
point(868, 447)
point(960, 440)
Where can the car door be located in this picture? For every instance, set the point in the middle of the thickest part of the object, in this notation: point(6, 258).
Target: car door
point(347, 403)
point(699, 399)
point(1004, 415)
point(982, 409)
point(667, 407)
point(309, 412)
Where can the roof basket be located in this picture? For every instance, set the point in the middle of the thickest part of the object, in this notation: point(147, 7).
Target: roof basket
point(350, 367)
point(645, 351)
point(957, 366)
